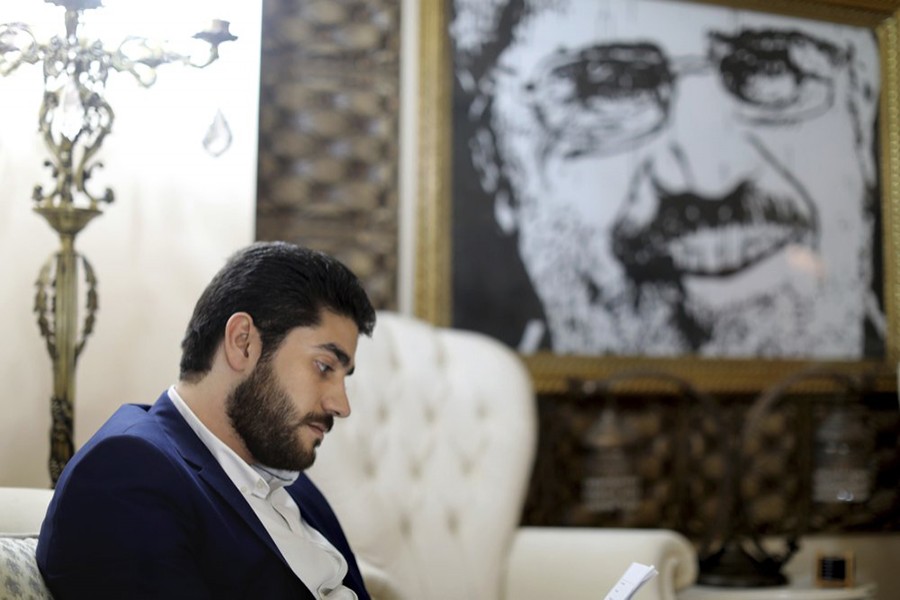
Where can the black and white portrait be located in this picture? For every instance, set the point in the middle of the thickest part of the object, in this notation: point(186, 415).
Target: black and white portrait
point(665, 178)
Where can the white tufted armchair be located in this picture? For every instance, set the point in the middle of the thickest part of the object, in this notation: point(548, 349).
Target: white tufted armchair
point(429, 477)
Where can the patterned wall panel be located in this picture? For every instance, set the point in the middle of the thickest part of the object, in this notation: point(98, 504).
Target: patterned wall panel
point(328, 146)
point(774, 481)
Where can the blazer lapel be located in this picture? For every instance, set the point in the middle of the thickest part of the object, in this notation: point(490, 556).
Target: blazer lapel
point(195, 452)
point(310, 501)
point(319, 515)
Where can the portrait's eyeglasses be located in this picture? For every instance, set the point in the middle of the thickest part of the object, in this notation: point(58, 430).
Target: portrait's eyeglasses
point(607, 98)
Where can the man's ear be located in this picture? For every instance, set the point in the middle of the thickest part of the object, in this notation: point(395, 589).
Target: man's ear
point(241, 343)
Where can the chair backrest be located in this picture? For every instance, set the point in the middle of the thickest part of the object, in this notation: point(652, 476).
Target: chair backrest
point(429, 474)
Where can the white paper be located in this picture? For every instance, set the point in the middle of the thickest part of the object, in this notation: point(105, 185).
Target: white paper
point(631, 581)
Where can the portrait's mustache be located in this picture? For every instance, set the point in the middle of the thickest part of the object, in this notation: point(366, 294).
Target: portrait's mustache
point(713, 236)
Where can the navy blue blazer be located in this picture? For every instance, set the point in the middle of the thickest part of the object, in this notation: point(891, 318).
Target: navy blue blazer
point(143, 510)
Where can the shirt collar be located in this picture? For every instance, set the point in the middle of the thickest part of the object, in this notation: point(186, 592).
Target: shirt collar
point(276, 478)
point(256, 479)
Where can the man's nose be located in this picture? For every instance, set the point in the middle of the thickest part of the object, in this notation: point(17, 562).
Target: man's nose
point(707, 150)
point(337, 403)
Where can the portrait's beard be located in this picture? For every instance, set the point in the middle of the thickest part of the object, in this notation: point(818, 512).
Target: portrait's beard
point(263, 416)
point(593, 304)
point(590, 305)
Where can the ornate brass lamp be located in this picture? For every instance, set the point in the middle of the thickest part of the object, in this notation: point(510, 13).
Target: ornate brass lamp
point(73, 120)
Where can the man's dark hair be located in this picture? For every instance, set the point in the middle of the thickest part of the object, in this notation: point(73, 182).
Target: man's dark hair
point(281, 286)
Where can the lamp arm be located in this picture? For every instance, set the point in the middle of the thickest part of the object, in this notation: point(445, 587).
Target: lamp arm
point(12, 51)
point(140, 56)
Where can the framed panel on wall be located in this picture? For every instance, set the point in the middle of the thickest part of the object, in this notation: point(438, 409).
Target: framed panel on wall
point(706, 188)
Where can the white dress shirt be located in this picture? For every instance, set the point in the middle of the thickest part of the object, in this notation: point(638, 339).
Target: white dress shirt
point(313, 559)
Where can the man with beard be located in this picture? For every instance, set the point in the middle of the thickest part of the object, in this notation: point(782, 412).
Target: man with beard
point(202, 495)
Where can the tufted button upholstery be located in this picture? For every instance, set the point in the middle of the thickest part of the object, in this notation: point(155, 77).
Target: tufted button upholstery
point(429, 473)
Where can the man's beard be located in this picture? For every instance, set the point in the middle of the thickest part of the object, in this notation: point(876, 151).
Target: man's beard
point(263, 416)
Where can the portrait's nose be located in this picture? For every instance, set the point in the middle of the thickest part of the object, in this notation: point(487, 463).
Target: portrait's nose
point(707, 150)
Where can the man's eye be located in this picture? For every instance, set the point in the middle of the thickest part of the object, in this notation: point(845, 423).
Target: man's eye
point(323, 367)
point(777, 77)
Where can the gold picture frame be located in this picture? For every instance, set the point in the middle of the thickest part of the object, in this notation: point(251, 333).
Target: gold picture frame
point(551, 372)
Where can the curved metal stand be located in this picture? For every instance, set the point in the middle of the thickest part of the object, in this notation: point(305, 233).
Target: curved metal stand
point(57, 286)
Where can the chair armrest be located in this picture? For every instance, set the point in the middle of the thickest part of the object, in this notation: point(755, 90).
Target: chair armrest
point(22, 510)
point(584, 563)
point(378, 582)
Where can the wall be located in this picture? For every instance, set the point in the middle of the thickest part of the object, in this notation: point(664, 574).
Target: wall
point(179, 212)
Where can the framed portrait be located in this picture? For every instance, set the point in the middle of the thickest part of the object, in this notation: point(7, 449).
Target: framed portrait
point(706, 188)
